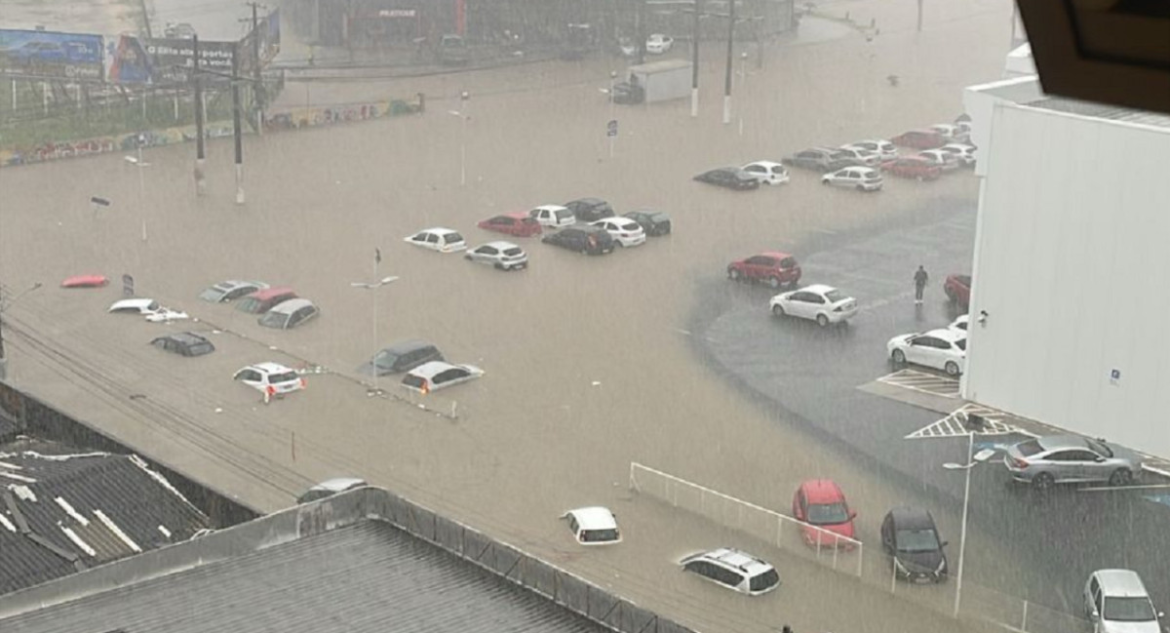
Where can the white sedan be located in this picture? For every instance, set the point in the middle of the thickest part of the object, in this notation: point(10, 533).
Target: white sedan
point(767, 172)
point(863, 178)
point(818, 302)
point(149, 308)
point(438, 239)
point(502, 255)
point(940, 349)
point(658, 43)
point(623, 230)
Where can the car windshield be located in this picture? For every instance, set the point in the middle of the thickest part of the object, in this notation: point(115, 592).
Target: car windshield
point(287, 376)
point(273, 319)
point(922, 540)
point(385, 359)
point(828, 513)
point(248, 304)
point(200, 349)
point(1128, 610)
point(513, 252)
point(1029, 448)
point(961, 344)
point(764, 581)
point(453, 238)
point(598, 536)
point(212, 294)
point(835, 295)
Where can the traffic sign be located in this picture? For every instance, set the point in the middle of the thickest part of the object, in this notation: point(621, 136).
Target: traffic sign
point(612, 128)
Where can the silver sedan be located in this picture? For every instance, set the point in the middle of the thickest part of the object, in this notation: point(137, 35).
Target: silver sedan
point(1055, 459)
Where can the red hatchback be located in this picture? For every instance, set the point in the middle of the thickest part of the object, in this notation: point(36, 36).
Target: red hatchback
point(820, 503)
point(771, 267)
point(514, 224)
point(958, 289)
point(920, 139)
point(912, 167)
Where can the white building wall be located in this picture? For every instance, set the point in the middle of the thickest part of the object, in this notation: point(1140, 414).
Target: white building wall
point(1072, 266)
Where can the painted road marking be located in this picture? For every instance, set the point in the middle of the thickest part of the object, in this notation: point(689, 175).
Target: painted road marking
point(1163, 498)
point(956, 424)
point(923, 382)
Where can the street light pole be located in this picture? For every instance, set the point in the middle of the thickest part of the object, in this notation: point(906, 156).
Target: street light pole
point(612, 137)
point(730, 58)
point(374, 286)
point(695, 60)
point(972, 462)
point(464, 102)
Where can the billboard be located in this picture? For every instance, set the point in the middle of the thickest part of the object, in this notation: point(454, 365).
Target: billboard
point(127, 62)
point(52, 55)
point(172, 60)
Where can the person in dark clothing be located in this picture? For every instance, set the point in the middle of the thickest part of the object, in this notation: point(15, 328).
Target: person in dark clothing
point(920, 278)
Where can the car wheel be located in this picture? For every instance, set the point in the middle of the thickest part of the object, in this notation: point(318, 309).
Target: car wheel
point(1043, 481)
point(774, 282)
point(778, 310)
point(952, 368)
point(733, 274)
point(822, 320)
point(899, 357)
point(1121, 477)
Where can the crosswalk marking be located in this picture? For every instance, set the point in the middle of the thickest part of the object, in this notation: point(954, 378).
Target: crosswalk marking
point(959, 423)
point(923, 382)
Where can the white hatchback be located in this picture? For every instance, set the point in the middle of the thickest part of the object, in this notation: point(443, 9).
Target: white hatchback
point(438, 239)
point(945, 161)
point(820, 303)
point(939, 349)
point(502, 255)
point(882, 147)
point(863, 178)
point(437, 375)
point(553, 216)
point(767, 172)
point(271, 379)
point(623, 230)
point(593, 526)
point(658, 43)
point(733, 569)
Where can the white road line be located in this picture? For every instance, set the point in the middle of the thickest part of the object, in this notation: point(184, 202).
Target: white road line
point(1109, 488)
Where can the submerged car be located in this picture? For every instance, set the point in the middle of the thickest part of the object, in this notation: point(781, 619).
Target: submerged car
point(184, 344)
point(912, 167)
point(271, 379)
point(518, 224)
point(289, 314)
point(401, 356)
point(881, 147)
point(730, 178)
point(735, 570)
point(149, 308)
point(910, 539)
point(1057, 459)
point(860, 178)
point(437, 375)
point(591, 240)
point(265, 299)
point(824, 304)
point(821, 504)
point(624, 231)
point(593, 526)
point(654, 223)
point(501, 255)
point(767, 172)
point(438, 239)
point(590, 209)
point(553, 216)
point(231, 290)
point(920, 139)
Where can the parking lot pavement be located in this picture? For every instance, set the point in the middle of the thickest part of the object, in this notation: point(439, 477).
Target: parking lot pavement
point(923, 381)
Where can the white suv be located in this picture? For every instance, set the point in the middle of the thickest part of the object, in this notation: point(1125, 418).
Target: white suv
point(1117, 602)
point(733, 569)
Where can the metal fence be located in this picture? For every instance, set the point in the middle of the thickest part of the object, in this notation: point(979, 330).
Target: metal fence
point(1014, 614)
point(838, 552)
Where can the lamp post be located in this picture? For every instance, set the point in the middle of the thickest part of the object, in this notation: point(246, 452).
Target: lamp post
point(612, 83)
point(972, 461)
point(374, 286)
point(462, 113)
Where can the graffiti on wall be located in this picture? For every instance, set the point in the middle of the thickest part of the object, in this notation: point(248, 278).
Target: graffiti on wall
point(328, 115)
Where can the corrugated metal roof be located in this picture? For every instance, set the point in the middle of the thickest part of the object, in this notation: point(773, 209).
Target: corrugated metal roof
point(1102, 111)
point(366, 578)
point(81, 510)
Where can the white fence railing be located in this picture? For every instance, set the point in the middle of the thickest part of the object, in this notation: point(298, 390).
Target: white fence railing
point(792, 535)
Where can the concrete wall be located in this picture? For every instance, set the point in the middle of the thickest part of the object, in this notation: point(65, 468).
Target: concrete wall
point(1073, 269)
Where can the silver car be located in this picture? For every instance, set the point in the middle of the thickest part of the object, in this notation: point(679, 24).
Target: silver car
point(502, 255)
point(1056, 459)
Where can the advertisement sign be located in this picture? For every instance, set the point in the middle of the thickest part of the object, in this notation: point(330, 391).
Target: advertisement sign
point(172, 60)
point(51, 55)
point(127, 61)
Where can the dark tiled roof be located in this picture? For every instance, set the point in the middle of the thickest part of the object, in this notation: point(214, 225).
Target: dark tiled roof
point(61, 512)
point(366, 578)
point(8, 428)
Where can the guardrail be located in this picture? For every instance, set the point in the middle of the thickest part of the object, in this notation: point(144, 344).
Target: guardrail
point(806, 540)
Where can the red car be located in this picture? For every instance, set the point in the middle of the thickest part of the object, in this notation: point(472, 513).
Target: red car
point(912, 167)
point(920, 139)
point(820, 502)
point(514, 224)
point(772, 268)
point(85, 281)
point(958, 289)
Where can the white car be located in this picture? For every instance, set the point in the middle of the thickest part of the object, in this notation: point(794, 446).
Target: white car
point(623, 230)
point(952, 131)
point(881, 147)
point(149, 308)
point(818, 302)
point(1116, 601)
point(658, 43)
point(437, 375)
point(231, 290)
point(863, 178)
point(960, 324)
point(733, 569)
point(271, 379)
point(858, 155)
point(963, 151)
point(438, 239)
point(943, 160)
point(553, 216)
point(939, 349)
point(502, 255)
point(767, 172)
point(593, 526)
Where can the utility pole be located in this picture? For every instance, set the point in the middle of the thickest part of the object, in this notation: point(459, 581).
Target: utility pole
point(200, 154)
point(258, 88)
point(237, 133)
point(730, 57)
point(695, 61)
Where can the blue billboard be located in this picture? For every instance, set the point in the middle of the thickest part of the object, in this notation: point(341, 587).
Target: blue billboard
point(52, 55)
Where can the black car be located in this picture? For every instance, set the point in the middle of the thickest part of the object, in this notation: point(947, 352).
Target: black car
point(452, 51)
point(730, 177)
point(591, 240)
point(184, 344)
point(820, 159)
point(655, 223)
point(401, 356)
point(590, 209)
point(911, 540)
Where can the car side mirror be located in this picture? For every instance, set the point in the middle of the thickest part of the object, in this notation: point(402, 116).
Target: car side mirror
point(943, 544)
point(853, 514)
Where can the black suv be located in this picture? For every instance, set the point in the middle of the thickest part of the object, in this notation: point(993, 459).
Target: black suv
point(590, 209)
point(401, 356)
point(591, 240)
point(911, 539)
